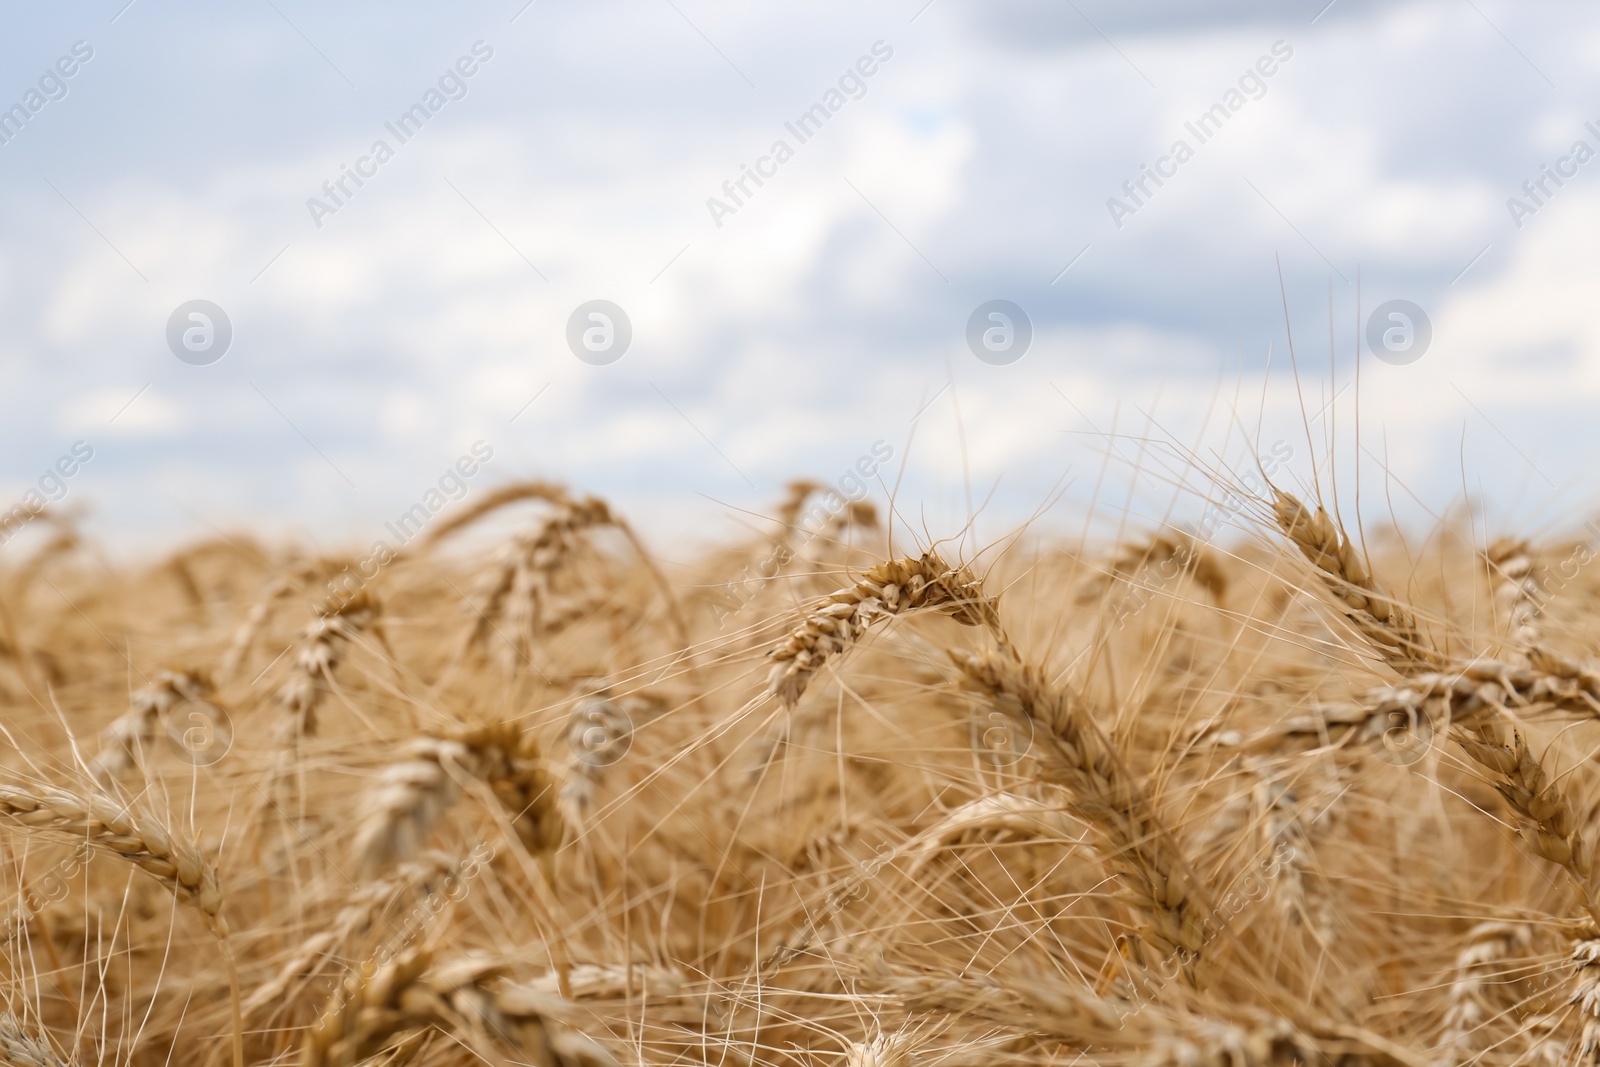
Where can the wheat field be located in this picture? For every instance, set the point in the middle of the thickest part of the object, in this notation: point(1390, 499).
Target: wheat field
point(522, 792)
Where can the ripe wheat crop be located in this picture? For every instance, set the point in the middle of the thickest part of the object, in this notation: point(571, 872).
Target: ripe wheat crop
point(1305, 793)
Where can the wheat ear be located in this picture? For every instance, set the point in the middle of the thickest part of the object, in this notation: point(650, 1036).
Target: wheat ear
point(415, 791)
point(1487, 944)
point(600, 730)
point(356, 917)
point(1552, 824)
point(1423, 704)
point(245, 636)
point(1510, 563)
point(117, 830)
point(1387, 624)
point(890, 589)
point(322, 646)
point(19, 1048)
point(1074, 754)
point(412, 996)
point(1586, 998)
point(370, 1011)
point(135, 728)
point(1175, 547)
point(885, 1050)
point(494, 501)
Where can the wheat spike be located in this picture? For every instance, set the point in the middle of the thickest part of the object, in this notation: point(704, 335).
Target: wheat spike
point(354, 919)
point(491, 502)
point(372, 1010)
point(19, 1048)
point(1073, 753)
point(1385, 622)
point(465, 996)
point(136, 728)
point(118, 830)
point(1586, 998)
point(322, 646)
point(415, 791)
point(1487, 944)
point(1553, 827)
point(887, 590)
point(1171, 551)
point(1516, 591)
point(885, 1050)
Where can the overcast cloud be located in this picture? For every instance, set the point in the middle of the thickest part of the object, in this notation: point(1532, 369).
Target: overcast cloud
point(374, 344)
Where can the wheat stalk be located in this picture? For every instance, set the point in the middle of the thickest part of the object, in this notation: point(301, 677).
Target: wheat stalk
point(890, 589)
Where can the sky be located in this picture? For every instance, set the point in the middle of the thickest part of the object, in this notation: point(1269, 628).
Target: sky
point(1356, 154)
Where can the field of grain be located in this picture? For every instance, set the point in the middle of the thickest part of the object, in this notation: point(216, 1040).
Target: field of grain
point(525, 793)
